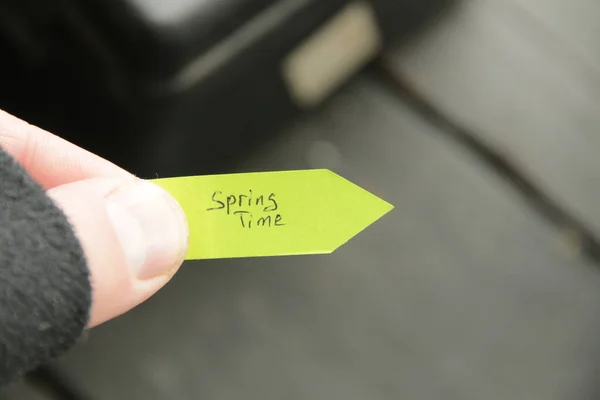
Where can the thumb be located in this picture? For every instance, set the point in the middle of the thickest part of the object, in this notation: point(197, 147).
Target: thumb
point(133, 233)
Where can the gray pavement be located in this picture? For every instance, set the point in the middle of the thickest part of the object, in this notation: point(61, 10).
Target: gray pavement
point(525, 74)
point(460, 293)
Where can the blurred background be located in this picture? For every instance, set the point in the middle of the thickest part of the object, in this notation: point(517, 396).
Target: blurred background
point(478, 119)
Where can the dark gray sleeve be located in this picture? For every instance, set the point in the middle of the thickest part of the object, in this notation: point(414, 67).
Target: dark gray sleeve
point(45, 292)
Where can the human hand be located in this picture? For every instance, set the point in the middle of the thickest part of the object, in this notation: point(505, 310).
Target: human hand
point(133, 234)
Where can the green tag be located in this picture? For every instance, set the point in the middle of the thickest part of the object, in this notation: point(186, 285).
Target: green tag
point(272, 213)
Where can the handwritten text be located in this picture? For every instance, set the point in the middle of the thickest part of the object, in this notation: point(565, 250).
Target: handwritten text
point(253, 210)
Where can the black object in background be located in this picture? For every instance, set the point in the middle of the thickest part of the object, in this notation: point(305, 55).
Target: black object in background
point(169, 87)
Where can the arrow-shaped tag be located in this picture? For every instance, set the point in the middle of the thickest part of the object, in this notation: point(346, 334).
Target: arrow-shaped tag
point(272, 213)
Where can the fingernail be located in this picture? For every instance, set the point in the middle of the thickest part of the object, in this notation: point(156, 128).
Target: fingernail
point(151, 228)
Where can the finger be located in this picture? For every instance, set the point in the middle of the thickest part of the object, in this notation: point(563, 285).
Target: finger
point(134, 236)
point(50, 160)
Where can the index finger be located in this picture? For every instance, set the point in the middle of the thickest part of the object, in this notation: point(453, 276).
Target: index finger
point(49, 159)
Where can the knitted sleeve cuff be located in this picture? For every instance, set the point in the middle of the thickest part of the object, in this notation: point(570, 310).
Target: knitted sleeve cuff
point(45, 291)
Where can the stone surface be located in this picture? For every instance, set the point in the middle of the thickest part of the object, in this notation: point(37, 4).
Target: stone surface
point(525, 75)
point(460, 293)
point(23, 391)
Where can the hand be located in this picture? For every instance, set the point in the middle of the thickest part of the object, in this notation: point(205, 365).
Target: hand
point(133, 233)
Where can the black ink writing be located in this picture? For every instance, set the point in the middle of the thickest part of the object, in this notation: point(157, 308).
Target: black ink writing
point(260, 201)
point(274, 205)
point(231, 201)
point(221, 204)
point(250, 210)
point(262, 221)
point(278, 220)
point(247, 220)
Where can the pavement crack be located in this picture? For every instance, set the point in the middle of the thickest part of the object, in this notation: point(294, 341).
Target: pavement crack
point(542, 203)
